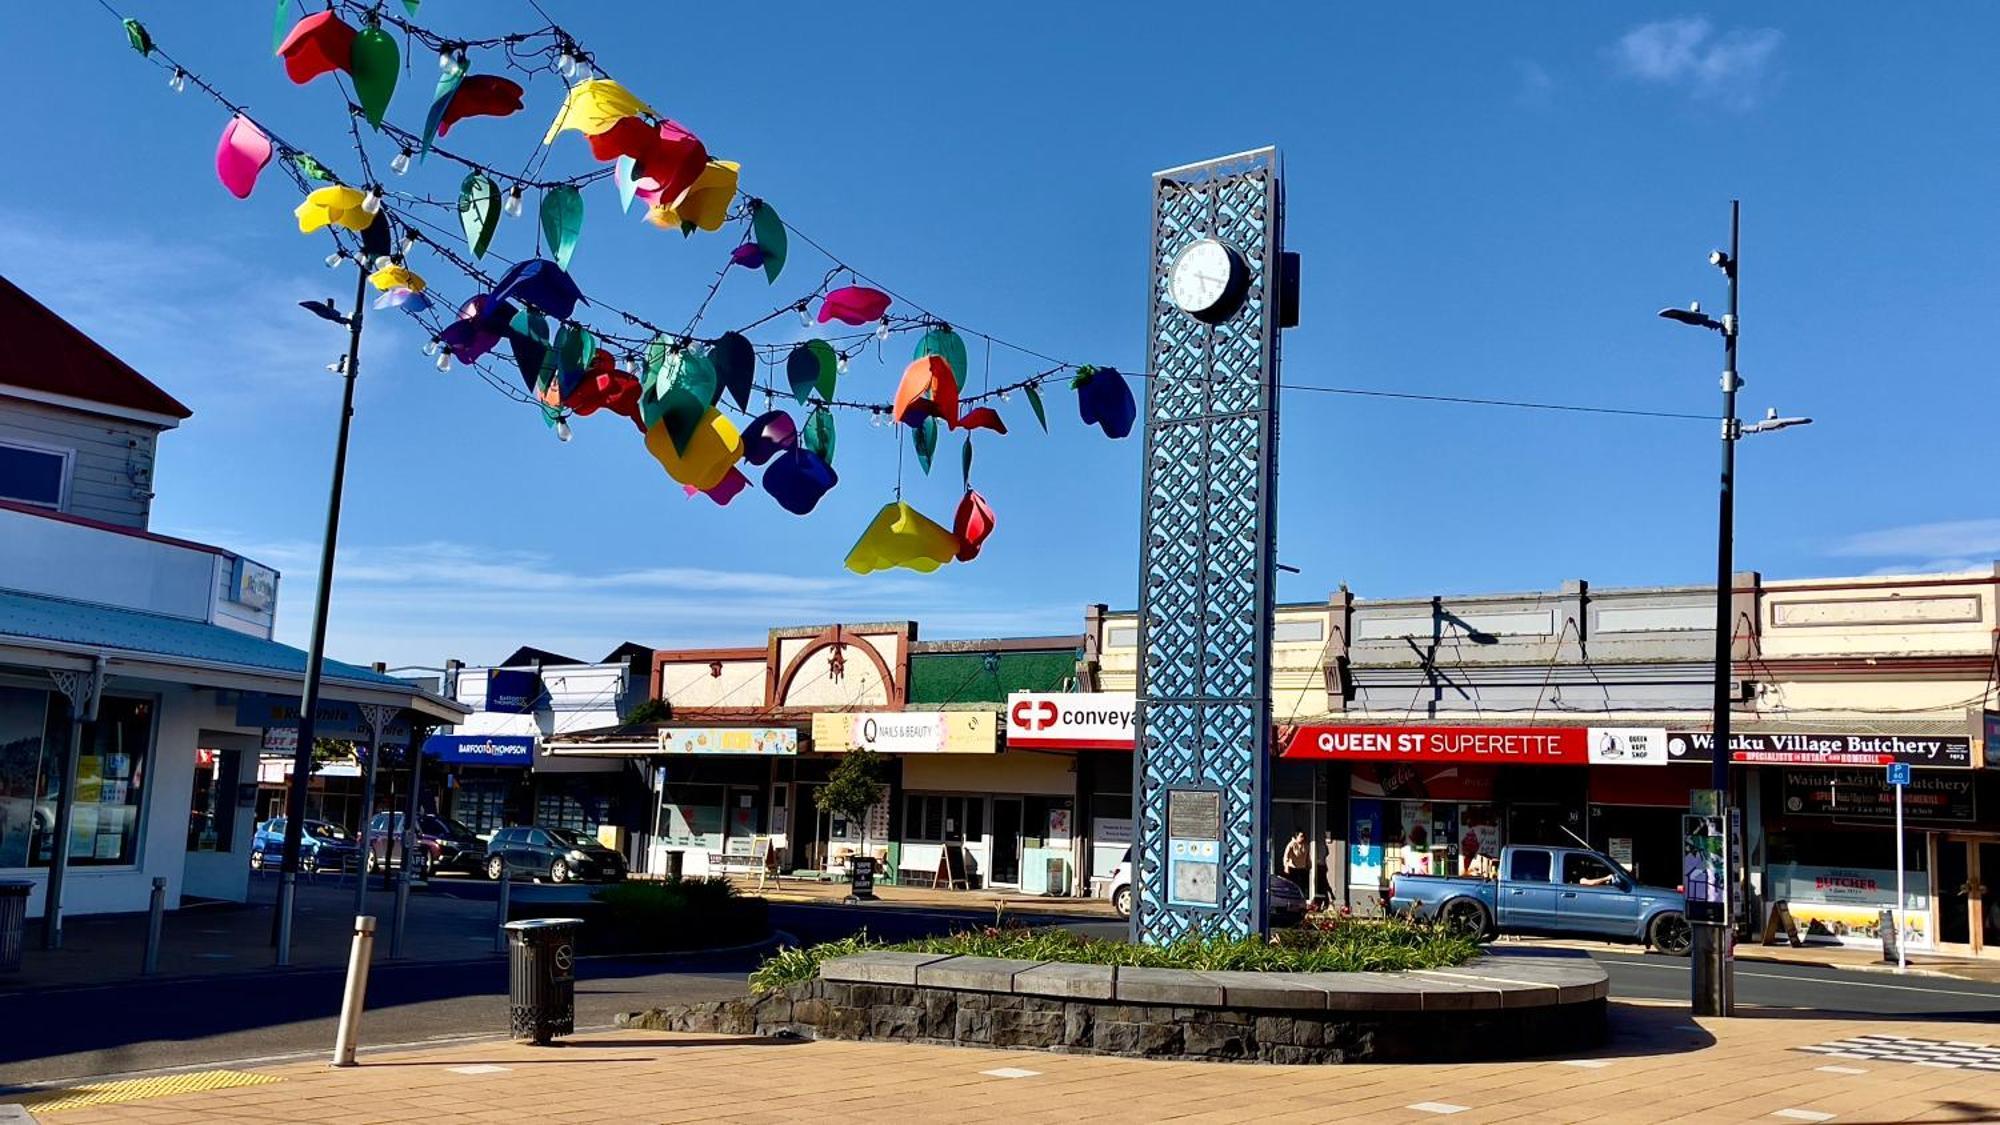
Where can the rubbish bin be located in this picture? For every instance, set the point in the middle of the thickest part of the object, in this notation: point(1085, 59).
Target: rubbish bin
point(541, 978)
point(13, 922)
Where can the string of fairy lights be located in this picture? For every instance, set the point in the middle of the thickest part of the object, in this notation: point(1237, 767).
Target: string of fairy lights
point(637, 366)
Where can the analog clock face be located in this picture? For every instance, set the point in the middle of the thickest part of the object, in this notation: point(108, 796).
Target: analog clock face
point(1207, 280)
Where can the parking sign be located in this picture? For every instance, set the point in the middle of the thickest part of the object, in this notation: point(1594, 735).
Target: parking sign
point(1899, 773)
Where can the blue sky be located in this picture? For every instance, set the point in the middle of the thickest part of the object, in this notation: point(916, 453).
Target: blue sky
point(1493, 204)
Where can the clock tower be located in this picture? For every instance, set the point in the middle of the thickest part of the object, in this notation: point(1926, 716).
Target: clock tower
point(1220, 287)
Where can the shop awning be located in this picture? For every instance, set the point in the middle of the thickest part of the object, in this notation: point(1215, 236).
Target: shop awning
point(720, 739)
point(44, 632)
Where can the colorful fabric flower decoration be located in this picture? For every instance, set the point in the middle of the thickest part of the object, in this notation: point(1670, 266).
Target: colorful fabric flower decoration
point(705, 203)
point(733, 482)
point(747, 254)
point(480, 95)
point(481, 324)
point(409, 300)
point(595, 106)
point(318, 44)
point(854, 304)
point(768, 435)
point(393, 276)
point(972, 525)
point(899, 535)
point(711, 452)
point(928, 390)
point(337, 205)
point(666, 159)
point(542, 284)
point(798, 478)
point(242, 152)
point(1104, 399)
point(982, 418)
point(605, 389)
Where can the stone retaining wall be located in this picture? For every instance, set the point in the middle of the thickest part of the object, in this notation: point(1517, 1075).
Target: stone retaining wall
point(1499, 1007)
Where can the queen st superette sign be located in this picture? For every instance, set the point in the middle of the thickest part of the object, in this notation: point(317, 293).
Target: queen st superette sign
point(1639, 746)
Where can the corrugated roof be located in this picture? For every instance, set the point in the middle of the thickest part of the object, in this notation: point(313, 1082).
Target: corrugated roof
point(46, 353)
point(36, 617)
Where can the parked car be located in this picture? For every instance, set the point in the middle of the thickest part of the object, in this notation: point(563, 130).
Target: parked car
point(443, 844)
point(558, 854)
point(323, 845)
point(1284, 903)
point(1550, 891)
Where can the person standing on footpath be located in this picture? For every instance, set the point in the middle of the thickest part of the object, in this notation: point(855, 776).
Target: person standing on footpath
point(1298, 861)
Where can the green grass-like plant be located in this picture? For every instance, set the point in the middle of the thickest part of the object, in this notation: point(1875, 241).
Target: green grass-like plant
point(1324, 944)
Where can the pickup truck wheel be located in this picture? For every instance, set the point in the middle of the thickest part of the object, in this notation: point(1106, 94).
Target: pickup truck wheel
point(1466, 917)
point(1670, 934)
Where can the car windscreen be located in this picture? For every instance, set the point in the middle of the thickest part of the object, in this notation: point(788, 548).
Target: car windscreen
point(445, 826)
point(570, 839)
point(325, 830)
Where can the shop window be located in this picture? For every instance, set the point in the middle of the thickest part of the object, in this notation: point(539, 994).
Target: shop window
point(578, 813)
point(1529, 866)
point(482, 805)
point(934, 818)
point(692, 816)
point(34, 736)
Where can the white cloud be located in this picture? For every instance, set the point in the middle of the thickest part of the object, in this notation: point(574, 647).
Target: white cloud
point(1924, 548)
point(419, 603)
point(1734, 68)
point(1537, 85)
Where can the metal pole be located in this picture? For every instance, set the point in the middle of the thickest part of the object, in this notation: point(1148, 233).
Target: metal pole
point(155, 916)
point(309, 702)
point(82, 691)
point(409, 835)
point(500, 925)
point(1900, 900)
point(367, 817)
point(352, 1000)
point(1713, 988)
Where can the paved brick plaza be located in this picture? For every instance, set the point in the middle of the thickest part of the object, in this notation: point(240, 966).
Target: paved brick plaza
point(1660, 1067)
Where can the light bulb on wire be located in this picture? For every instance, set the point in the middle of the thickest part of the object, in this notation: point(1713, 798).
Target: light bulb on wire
point(882, 331)
point(178, 81)
point(562, 430)
point(566, 63)
point(334, 259)
point(452, 61)
point(431, 346)
point(444, 361)
point(409, 242)
point(841, 365)
point(805, 317)
point(400, 164)
point(382, 262)
point(513, 203)
point(371, 202)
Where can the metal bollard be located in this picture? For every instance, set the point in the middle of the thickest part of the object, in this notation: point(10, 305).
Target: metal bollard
point(506, 886)
point(156, 915)
point(286, 890)
point(346, 1039)
point(402, 911)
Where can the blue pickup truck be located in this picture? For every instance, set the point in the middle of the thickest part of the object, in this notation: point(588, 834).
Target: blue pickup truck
point(1566, 891)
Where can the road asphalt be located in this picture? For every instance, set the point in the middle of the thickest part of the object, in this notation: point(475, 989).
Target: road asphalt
point(237, 1018)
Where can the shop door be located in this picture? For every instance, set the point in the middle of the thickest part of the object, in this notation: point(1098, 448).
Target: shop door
point(1006, 859)
point(742, 812)
point(1968, 899)
point(1986, 906)
point(810, 832)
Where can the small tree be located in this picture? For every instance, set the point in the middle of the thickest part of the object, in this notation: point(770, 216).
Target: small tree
point(854, 787)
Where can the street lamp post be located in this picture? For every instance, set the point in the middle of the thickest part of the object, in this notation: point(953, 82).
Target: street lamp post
point(295, 804)
point(1713, 981)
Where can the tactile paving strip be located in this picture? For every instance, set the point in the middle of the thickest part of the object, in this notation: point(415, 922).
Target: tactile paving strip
point(84, 1094)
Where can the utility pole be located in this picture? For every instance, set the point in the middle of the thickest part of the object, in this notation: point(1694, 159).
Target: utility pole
point(295, 805)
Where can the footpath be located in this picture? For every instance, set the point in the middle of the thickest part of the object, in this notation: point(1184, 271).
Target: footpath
point(1660, 1066)
point(1823, 956)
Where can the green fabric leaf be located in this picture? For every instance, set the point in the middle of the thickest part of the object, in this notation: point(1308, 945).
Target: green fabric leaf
point(818, 435)
point(685, 391)
point(1083, 375)
point(1035, 400)
point(698, 376)
point(735, 364)
point(812, 366)
point(829, 368)
point(373, 67)
point(574, 348)
point(945, 343)
point(411, 7)
point(965, 461)
point(562, 221)
point(656, 358)
point(312, 168)
point(281, 25)
point(551, 415)
point(769, 231)
point(448, 83)
point(135, 34)
point(478, 211)
point(924, 437)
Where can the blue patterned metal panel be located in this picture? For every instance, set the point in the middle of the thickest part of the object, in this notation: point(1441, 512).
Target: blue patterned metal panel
point(1207, 548)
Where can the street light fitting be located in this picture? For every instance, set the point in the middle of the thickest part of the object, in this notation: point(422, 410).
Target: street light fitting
point(1692, 315)
point(1771, 422)
point(323, 309)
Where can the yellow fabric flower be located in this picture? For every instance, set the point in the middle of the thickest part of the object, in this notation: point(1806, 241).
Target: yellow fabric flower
point(899, 535)
point(705, 203)
point(711, 452)
point(594, 107)
point(396, 277)
point(337, 205)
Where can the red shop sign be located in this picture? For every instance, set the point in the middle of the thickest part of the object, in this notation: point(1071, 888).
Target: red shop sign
point(1524, 745)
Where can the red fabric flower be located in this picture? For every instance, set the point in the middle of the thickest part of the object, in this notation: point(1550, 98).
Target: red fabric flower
point(481, 95)
point(317, 44)
point(972, 525)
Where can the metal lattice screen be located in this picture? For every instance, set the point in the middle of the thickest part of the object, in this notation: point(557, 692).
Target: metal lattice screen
point(1207, 561)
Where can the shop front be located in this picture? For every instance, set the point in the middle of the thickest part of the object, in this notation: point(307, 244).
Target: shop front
point(717, 795)
point(1093, 731)
point(1826, 816)
point(1444, 800)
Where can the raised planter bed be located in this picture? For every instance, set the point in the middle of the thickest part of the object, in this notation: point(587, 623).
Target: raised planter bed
point(1501, 1006)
